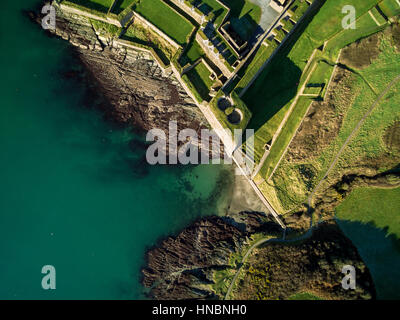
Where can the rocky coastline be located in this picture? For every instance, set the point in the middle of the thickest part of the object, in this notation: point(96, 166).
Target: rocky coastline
point(135, 92)
point(182, 267)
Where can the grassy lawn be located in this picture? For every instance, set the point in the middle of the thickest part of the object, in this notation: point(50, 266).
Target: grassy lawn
point(321, 73)
point(121, 5)
point(304, 296)
point(192, 54)
point(319, 80)
point(381, 207)
point(381, 20)
point(365, 26)
point(240, 8)
point(262, 55)
point(389, 7)
point(297, 10)
point(215, 7)
point(166, 19)
point(366, 145)
point(329, 17)
point(199, 76)
point(270, 95)
point(286, 135)
point(98, 5)
point(370, 218)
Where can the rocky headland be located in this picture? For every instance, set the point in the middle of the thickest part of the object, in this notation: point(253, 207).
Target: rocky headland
point(134, 89)
point(199, 261)
point(182, 267)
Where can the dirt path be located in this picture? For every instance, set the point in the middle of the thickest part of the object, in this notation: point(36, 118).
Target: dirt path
point(355, 130)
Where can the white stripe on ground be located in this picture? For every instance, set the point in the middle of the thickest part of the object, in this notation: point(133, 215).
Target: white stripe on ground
point(373, 18)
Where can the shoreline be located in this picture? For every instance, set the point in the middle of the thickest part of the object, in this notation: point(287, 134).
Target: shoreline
point(140, 100)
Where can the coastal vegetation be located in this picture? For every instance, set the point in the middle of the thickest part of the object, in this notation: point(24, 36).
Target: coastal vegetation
point(305, 270)
point(366, 146)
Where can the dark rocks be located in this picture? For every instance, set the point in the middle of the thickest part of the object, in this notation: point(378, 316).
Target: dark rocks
point(135, 90)
point(181, 266)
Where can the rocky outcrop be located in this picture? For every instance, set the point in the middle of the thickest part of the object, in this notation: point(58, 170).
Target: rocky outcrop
point(187, 266)
point(137, 91)
point(181, 267)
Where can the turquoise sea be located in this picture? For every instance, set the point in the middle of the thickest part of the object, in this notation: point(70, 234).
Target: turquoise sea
point(75, 193)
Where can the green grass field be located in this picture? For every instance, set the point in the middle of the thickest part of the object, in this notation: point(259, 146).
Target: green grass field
point(370, 218)
point(286, 135)
point(365, 26)
point(192, 54)
point(261, 56)
point(378, 16)
point(270, 96)
point(381, 207)
point(304, 296)
point(272, 93)
point(199, 76)
point(121, 5)
point(98, 5)
point(390, 7)
point(213, 6)
point(166, 19)
point(329, 15)
point(366, 144)
point(244, 16)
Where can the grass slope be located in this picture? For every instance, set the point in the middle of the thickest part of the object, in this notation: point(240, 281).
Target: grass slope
point(381, 207)
point(166, 19)
point(370, 218)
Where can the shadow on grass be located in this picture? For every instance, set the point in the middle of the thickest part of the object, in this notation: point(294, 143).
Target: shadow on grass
point(199, 84)
point(380, 252)
point(91, 5)
point(118, 6)
point(279, 81)
point(279, 85)
point(245, 26)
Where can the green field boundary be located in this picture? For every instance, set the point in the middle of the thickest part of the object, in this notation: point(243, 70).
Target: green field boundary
point(286, 136)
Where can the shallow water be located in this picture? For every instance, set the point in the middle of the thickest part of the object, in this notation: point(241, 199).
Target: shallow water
point(73, 192)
